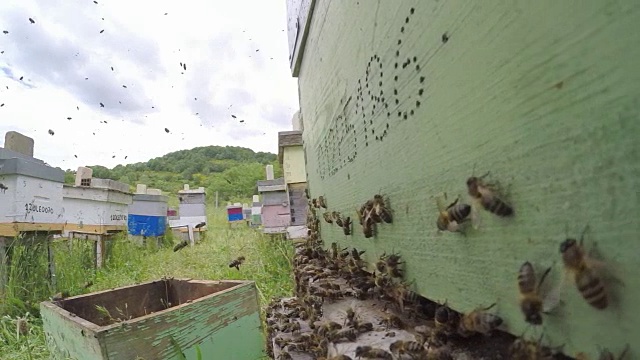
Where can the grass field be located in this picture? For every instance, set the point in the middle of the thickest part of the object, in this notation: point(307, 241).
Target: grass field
point(268, 262)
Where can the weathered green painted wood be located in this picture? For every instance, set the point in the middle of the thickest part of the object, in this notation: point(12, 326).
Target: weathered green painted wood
point(213, 323)
point(544, 94)
point(69, 336)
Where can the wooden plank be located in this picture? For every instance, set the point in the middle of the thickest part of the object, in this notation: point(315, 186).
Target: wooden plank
point(13, 229)
point(95, 229)
point(542, 94)
point(299, 14)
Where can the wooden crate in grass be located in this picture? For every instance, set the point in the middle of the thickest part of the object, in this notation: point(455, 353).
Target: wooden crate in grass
point(157, 320)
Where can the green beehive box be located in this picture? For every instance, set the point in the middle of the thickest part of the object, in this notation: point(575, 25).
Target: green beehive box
point(218, 319)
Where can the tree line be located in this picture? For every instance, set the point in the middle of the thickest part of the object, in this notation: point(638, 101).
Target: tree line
point(232, 171)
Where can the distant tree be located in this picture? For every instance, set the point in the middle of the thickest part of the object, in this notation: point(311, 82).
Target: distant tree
point(232, 171)
point(69, 177)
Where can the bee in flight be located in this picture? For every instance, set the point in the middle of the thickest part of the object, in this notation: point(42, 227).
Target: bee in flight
point(454, 216)
point(487, 195)
point(237, 262)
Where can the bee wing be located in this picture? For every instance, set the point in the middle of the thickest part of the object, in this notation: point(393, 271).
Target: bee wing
point(553, 298)
point(476, 219)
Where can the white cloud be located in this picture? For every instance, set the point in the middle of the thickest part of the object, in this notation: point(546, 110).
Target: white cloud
point(217, 40)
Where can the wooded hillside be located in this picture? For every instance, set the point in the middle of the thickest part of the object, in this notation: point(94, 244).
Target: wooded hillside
point(230, 170)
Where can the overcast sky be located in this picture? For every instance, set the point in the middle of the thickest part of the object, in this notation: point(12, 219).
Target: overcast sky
point(131, 57)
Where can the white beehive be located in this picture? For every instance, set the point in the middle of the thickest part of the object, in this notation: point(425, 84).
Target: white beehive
point(97, 206)
point(30, 190)
point(192, 211)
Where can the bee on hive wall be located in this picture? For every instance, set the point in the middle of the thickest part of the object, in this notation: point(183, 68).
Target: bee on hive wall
point(453, 217)
point(531, 303)
point(381, 209)
point(488, 196)
point(583, 270)
point(346, 225)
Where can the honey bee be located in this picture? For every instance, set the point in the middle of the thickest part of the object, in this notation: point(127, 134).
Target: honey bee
point(281, 342)
point(298, 346)
point(322, 202)
point(368, 229)
point(329, 286)
point(589, 283)
point(349, 334)
point(319, 347)
point(350, 315)
point(237, 262)
point(389, 264)
point(362, 327)
point(487, 196)
point(291, 327)
point(453, 216)
point(530, 302)
point(392, 321)
point(522, 349)
point(605, 355)
point(446, 321)
point(346, 225)
point(369, 352)
point(381, 209)
point(608, 355)
point(479, 321)
point(355, 253)
point(180, 245)
point(314, 203)
point(327, 217)
point(412, 348)
point(285, 356)
point(361, 212)
point(440, 353)
point(328, 294)
point(337, 218)
point(327, 327)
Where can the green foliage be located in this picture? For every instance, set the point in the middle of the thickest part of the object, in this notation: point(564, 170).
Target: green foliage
point(232, 171)
point(268, 264)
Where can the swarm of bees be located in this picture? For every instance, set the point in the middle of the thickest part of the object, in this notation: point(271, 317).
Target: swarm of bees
point(317, 269)
point(327, 275)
